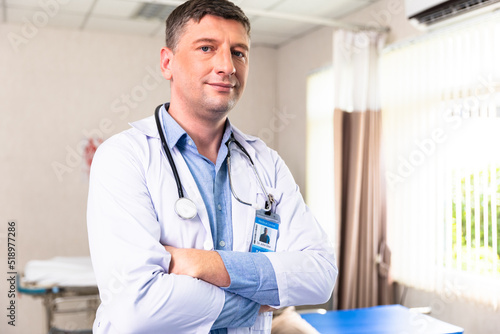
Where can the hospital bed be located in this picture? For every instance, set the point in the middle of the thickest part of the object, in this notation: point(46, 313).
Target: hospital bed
point(386, 319)
point(68, 289)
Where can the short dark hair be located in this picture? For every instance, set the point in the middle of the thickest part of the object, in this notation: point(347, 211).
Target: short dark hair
point(197, 9)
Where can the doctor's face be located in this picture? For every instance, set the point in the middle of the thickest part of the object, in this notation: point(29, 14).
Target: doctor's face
point(209, 66)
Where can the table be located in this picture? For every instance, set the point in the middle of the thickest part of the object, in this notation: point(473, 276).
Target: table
point(388, 319)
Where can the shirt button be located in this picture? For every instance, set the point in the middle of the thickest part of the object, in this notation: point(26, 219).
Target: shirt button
point(207, 245)
point(222, 243)
point(219, 207)
point(190, 142)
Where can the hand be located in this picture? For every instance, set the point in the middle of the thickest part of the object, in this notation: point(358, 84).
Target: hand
point(205, 265)
point(266, 308)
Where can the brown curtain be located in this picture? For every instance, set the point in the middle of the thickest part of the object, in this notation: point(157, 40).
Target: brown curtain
point(364, 256)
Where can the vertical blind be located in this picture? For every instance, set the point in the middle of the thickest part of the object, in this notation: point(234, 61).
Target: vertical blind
point(441, 125)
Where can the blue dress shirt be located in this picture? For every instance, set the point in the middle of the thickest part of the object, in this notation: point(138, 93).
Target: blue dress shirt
point(253, 281)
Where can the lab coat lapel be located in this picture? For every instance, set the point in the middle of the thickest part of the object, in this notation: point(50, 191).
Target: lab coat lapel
point(243, 215)
point(191, 191)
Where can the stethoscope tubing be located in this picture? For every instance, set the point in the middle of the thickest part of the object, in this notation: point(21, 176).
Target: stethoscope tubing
point(170, 159)
point(167, 152)
point(270, 200)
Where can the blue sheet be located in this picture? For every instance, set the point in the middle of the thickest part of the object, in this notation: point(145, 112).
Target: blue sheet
point(390, 319)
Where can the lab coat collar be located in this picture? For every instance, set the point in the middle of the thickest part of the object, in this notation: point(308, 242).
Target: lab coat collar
point(245, 141)
point(148, 127)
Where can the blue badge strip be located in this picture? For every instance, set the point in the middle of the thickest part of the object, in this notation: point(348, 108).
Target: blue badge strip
point(267, 223)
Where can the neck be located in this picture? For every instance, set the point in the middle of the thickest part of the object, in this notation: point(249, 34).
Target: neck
point(206, 133)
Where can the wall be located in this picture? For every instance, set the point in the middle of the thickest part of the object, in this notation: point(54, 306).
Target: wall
point(314, 50)
point(296, 60)
point(474, 317)
point(386, 13)
point(60, 87)
point(256, 111)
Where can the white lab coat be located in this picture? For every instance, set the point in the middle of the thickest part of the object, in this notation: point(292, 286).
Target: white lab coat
point(131, 215)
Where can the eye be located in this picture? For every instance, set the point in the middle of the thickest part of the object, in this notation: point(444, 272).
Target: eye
point(239, 54)
point(205, 48)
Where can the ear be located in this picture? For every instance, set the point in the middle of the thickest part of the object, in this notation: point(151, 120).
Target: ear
point(166, 62)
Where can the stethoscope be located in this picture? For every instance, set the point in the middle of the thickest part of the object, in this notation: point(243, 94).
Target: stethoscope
point(185, 207)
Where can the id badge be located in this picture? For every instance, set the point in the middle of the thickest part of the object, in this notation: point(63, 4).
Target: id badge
point(265, 232)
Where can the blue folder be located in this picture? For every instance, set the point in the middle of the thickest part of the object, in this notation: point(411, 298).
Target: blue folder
point(389, 319)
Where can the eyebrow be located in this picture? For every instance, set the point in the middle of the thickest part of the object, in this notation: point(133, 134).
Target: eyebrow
point(214, 41)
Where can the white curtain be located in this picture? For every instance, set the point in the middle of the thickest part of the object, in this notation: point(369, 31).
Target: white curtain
point(356, 69)
point(360, 194)
point(441, 107)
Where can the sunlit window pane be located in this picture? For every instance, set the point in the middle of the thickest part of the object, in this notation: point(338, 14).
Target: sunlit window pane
point(319, 186)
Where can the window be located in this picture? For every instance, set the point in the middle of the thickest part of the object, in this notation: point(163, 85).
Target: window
point(474, 221)
point(319, 168)
point(441, 125)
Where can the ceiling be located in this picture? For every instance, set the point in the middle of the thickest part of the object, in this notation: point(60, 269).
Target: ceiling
point(274, 22)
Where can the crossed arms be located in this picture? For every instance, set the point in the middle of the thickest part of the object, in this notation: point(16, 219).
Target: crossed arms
point(205, 265)
point(139, 276)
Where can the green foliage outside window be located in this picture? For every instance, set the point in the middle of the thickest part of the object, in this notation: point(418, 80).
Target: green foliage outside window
point(482, 257)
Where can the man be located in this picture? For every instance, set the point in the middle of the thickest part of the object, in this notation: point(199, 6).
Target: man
point(264, 237)
point(159, 273)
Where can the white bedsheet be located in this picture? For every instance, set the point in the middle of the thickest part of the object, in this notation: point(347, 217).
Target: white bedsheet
point(60, 271)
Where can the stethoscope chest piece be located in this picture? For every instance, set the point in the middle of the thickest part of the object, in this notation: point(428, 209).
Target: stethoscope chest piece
point(185, 208)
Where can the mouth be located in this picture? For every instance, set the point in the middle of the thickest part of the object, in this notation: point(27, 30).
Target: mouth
point(221, 86)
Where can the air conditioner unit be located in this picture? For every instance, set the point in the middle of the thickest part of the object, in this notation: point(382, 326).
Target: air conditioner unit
point(427, 13)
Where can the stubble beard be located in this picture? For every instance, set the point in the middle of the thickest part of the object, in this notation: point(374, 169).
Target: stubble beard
point(221, 109)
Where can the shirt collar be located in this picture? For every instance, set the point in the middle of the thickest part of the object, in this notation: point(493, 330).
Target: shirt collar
point(174, 132)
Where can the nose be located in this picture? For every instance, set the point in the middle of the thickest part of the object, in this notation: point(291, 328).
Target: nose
point(224, 64)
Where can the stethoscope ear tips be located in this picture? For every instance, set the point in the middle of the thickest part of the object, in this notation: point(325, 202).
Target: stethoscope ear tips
point(185, 208)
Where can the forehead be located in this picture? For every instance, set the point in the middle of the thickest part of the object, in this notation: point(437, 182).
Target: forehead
point(216, 28)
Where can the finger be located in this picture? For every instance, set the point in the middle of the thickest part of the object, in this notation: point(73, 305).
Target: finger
point(264, 308)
